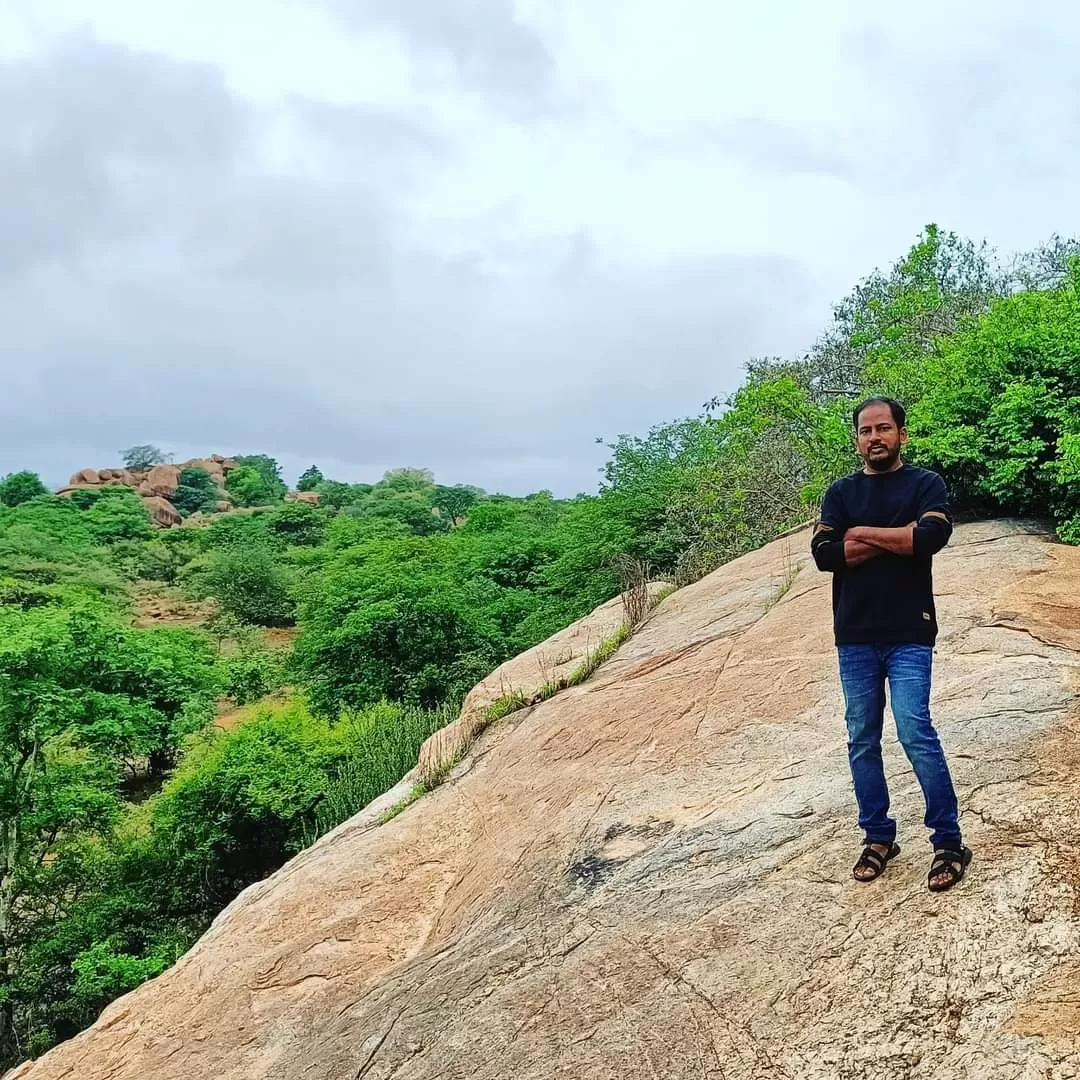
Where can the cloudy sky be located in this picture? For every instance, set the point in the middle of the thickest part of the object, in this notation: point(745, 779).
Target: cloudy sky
point(474, 235)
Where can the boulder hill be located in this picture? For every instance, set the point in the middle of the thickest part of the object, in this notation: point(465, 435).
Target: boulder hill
point(157, 485)
point(648, 875)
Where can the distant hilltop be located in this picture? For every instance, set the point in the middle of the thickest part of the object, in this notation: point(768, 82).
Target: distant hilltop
point(157, 484)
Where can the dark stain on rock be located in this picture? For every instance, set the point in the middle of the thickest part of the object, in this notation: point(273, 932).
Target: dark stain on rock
point(621, 843)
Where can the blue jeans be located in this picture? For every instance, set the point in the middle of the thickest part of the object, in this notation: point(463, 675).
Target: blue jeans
point(863, 672)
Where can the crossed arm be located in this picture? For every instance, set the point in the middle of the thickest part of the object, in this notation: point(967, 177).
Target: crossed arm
point(864, 542)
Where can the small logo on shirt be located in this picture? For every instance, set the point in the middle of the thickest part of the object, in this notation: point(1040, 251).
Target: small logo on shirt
point(926, 615)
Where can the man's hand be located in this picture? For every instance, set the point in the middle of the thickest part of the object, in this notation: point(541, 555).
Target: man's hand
point(855, 551)
point(898, 541)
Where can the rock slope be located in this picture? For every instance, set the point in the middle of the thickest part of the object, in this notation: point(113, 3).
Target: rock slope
point(648, 875)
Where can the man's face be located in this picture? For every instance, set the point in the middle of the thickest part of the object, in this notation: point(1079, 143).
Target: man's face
point(878, 438)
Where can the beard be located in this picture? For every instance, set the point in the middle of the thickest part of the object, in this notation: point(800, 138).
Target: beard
point(882, 462)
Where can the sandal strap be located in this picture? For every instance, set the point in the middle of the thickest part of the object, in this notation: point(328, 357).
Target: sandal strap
point(938, 869)
point(948, 856)
point(949, 862)
point(874, 859)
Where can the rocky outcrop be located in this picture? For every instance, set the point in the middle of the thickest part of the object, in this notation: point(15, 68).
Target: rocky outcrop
point(648, 875)
point(162, 512)
point(162, 480)
point(309, 497)
point(156, 485)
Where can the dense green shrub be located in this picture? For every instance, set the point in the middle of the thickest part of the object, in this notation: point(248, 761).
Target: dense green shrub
point(1000, 417)
point(21, 487)
point(196, 491)
point(252, 584)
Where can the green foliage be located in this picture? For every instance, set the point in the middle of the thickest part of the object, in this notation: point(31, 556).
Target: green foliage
point(102, 974)
point(195, 491)
point(453, 503)
point(252, 584)
point(1000, 414)
point(383, 741)
point(407, 496)
point(153, 560)
point(392, 620)
point(21, 487)
point(47, 551)
point(336, 496)
point(263, 488)
point(254, 671)
point(81, 696)
point(296, 523)
point(144, 456)
point(310, 479)
point(235, 531)
point(246, 487)
point(116, 514)
point(759, 468)
point(245, 800)
point(940, 284)
point(347, 530)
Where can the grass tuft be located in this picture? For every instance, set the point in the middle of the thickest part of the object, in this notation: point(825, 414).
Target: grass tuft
point(418, 791)
point(513, 702)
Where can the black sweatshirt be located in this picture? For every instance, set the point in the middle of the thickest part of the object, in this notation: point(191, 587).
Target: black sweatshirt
point(889, 598)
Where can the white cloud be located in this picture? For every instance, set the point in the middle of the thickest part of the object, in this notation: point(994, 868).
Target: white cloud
point(377, 234)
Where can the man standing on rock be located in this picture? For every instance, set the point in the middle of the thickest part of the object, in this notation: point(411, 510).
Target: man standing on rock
point(879, 530)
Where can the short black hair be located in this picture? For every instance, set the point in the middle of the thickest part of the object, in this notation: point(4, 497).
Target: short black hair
point(899, 413)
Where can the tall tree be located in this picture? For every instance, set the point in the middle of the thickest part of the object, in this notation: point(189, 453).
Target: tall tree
point(21, 487)
point(943, 281)
point(454, 502)
point(269, 471)
point(310, 478)
point(144, 456)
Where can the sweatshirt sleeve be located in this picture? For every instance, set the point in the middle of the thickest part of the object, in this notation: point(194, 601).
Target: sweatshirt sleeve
point(934, 524)
point(827, 543)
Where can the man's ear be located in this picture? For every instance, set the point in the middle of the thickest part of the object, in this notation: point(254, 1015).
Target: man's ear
point(903, 436)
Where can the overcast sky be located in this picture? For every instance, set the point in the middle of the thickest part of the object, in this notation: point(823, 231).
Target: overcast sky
point(474, 235)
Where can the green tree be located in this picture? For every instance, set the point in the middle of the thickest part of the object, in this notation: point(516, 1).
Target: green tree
point(79, 691)
point(21, 487)
point(763, 465)
point(453, 503)
point(1000, 416)
point(942, 282)
point(144, 456)
point(231, 813)
point(408, 496)
point(297, 523)
point(335, 495)
point(252, 584)
point(310, 479)
point(118, 514)
point(195, 491)
point(246, 487)
point(269, 470)
point(392, 619)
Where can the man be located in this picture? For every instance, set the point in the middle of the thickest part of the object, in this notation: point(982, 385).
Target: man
point(879, 531)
